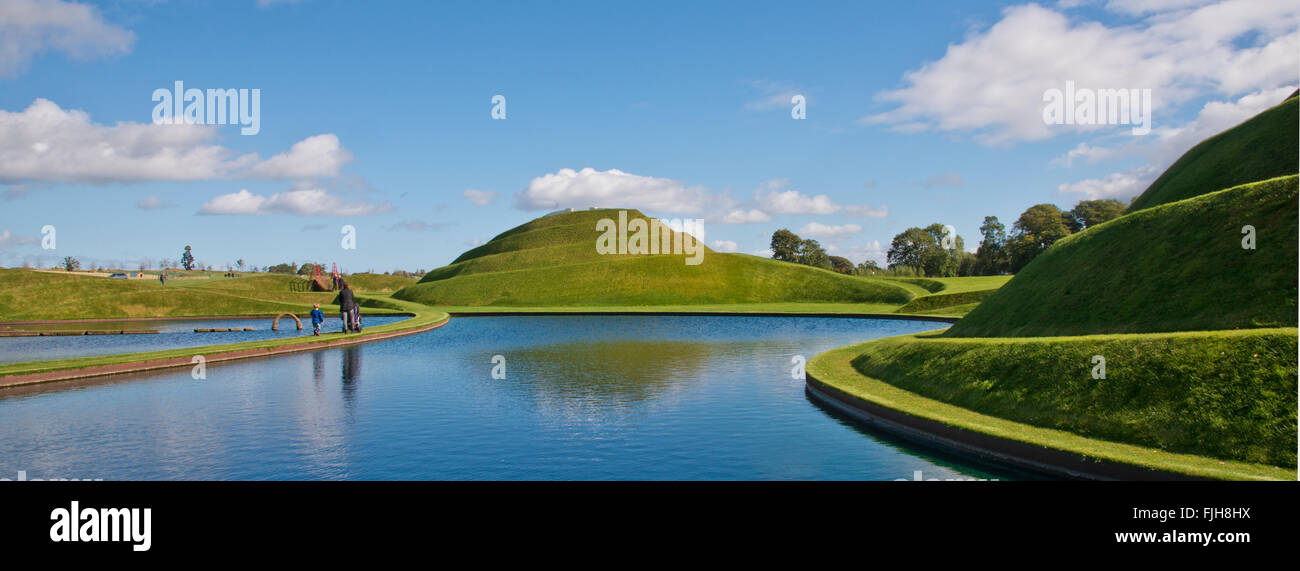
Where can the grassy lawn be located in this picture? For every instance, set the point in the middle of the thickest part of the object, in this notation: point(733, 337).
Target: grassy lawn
point(840, 368)
point(423, 315)
point(1175, 267)
point(35, 295)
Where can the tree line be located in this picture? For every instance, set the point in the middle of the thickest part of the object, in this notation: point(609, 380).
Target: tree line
point(936, 251)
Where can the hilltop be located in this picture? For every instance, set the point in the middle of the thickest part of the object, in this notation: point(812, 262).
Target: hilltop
point(552, 261)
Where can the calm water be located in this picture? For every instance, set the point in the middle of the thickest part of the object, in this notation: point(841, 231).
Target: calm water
point(171, 335)
point(602, 398)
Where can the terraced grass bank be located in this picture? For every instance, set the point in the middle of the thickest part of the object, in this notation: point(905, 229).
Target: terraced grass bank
point(1174, 267)
point(1181, 404)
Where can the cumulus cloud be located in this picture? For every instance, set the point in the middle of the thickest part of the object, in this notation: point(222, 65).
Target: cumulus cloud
point(480, 197)
point(992, 83)
point(1165, 146)
point(31, 27)
point(1120, 185)
point(724, 246)
point(828, 231)
point(613, 188)
point(48, 143)
point(295, 202)
point(773, 197)
point(153, 203)
point(742, 216)
point(315, 156)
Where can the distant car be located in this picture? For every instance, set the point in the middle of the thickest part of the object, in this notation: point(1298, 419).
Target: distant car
point(119, 275)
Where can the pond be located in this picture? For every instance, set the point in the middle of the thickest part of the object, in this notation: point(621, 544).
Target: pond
point(582, 398)
point(171, 335)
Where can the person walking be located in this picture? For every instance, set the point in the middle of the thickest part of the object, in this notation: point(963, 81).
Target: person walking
point(347, 303)
point(317, 318)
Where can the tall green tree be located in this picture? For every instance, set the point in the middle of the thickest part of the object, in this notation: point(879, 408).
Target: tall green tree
point(812, 254)
point(785, 245)
point(1034, 232)
point(991, 258)
point(909, 247)
point(841, 264)
point(1089, 213)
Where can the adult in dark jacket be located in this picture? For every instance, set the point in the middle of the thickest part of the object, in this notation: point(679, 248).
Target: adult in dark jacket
point(347, 304)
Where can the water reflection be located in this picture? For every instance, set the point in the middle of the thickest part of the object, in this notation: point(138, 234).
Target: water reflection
point(643, 398)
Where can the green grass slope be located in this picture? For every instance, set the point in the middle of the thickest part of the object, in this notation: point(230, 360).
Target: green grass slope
point(1263, 147)
point(552, 261)
point(377, 282)
point(1175, 267)
point(1228, 395)
point(33, 295)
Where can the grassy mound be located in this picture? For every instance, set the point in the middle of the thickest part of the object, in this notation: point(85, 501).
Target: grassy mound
point(552, 261)
point(33, 295)
point(1175, 267)
point(1229, 395)
point(1261, 148)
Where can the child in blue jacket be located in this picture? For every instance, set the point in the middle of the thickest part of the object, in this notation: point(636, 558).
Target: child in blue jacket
point(317, 318)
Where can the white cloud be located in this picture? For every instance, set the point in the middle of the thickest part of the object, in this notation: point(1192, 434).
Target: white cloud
point(1166, 145)
point(724, 246)
point(991, 84)
point(8, 239)
point(764, 253)
point(30, 27)
point(1120, 185)
point(772, 197)
point(743, 216)
point(480, 197)
point(295, 202)
point(47, 143)
point(824, 231)
point(315, 156)
point(613, 188)
point(1086, 152)
point(153, 203)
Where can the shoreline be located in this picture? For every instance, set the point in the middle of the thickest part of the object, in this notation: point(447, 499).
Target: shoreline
point(310, 343)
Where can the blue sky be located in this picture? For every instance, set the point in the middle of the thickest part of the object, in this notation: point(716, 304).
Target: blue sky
point(378, 115)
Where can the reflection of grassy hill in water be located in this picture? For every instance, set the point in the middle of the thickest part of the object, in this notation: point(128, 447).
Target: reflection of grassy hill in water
point(552, 261)
point(586, 374)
